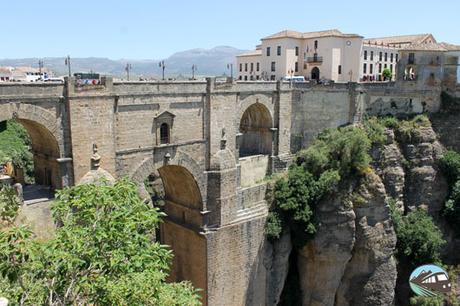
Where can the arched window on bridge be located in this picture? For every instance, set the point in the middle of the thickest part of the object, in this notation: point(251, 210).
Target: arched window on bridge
point(255, 127)
point(164, 133)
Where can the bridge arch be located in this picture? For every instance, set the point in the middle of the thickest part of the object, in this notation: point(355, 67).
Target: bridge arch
point(255, 126)
point(183, 186)
point(46, 141)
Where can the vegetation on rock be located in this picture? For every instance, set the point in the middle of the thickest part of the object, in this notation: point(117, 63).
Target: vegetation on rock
point(335, 155)
point(9, 204)
point(450, 164)
point(103, 253)
point(419, 240)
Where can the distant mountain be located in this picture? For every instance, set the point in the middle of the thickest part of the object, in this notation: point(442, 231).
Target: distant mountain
point(209, 62)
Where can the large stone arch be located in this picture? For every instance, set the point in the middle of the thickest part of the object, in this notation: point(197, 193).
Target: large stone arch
point(247, 101)
point(25, 112)
point(183, 184)
point(47, 144)
point(150, 165)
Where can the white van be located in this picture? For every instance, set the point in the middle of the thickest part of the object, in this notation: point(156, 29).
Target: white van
point(297, 78)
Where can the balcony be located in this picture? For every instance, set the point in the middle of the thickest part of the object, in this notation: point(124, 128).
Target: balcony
point(315, 59)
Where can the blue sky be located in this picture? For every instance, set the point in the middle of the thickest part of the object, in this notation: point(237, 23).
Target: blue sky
point(155, 29)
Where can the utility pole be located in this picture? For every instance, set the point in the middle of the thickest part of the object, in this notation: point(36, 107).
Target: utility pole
point(194, 68)
point(128, 68)
point(230, 66)
point(67, 63)
point(40, 67)
point(162, 65)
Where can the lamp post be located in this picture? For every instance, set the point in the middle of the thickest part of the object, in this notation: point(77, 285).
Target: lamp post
point(128, 68)
point(230, 66)
point(194, 68)
point(40, 67)
point(67, 63)
point(162, 66)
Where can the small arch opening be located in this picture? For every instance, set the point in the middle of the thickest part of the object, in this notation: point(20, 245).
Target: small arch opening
point(164, 133)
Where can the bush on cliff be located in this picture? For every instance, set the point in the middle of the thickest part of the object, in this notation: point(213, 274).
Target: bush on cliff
point(419, 240)
point(336, 154)
point(450, 164)
point(103, 253)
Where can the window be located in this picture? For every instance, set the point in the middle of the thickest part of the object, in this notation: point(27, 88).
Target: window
point(391, 57)
point(246, 67)
point(252, 67)
point(240, 78)
point(396, 57)
point(411, 58)
point(164, 133)
point(278, 50)
point(340, 69)
point(380, 68)
point(372, 55)
point(257, 77)
point(251, 78)
point(245, 77)
point(386, 56)
point(241, 67)
point(305, 67)
point(391, 68)
point(365, 68)
point(296, 67)
point(268, 51)
point(296, 51)
point(371, 68)
point(273, 66)
point(385, 66)
point(272, 78)
point(380, 56)
point(365, 54)
point(316, 44)
point(258, 66)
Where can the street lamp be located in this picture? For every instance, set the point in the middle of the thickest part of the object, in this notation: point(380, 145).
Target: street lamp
point(67, 63)
point(230, 66)
point(162, 65)
point(40, 67)
point(194, 68)
point(128, 68)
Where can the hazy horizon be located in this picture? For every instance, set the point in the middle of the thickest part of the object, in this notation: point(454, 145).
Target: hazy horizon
point(156, 30)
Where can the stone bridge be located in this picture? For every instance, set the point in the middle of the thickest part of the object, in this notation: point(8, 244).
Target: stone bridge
point(211, 143)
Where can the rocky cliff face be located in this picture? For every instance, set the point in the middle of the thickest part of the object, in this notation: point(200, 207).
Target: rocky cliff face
point(351, 259)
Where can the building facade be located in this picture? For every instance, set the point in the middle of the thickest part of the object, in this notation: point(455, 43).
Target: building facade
point(330, 55)
point(382, 53)
point(325, 55)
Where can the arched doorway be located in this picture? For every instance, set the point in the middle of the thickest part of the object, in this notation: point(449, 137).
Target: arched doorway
point(39, 173)
point(315, 73)
point(175, 191)
point(255, 124)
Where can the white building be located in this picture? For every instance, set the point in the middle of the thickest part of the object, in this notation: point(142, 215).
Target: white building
point(381, 53)
point(329, 54)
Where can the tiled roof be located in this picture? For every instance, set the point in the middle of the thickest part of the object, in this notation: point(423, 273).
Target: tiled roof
point(441, 47)
point(300, 35)
point(251, 53)
point(401, 39)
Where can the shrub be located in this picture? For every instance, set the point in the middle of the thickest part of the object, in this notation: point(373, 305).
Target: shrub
point(9, 204)
point(419, 240)
point(409, 128)
point(102, 254)
point(336, 154)
point(450, 164)
point(375, 130)
point(427, 301)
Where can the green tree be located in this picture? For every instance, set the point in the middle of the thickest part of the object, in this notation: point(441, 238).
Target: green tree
point(450, 164)
point(386, 74)
point(419, 240)
point(103, 253)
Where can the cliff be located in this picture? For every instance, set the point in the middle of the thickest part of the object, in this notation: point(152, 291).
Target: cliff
point(351, 260)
